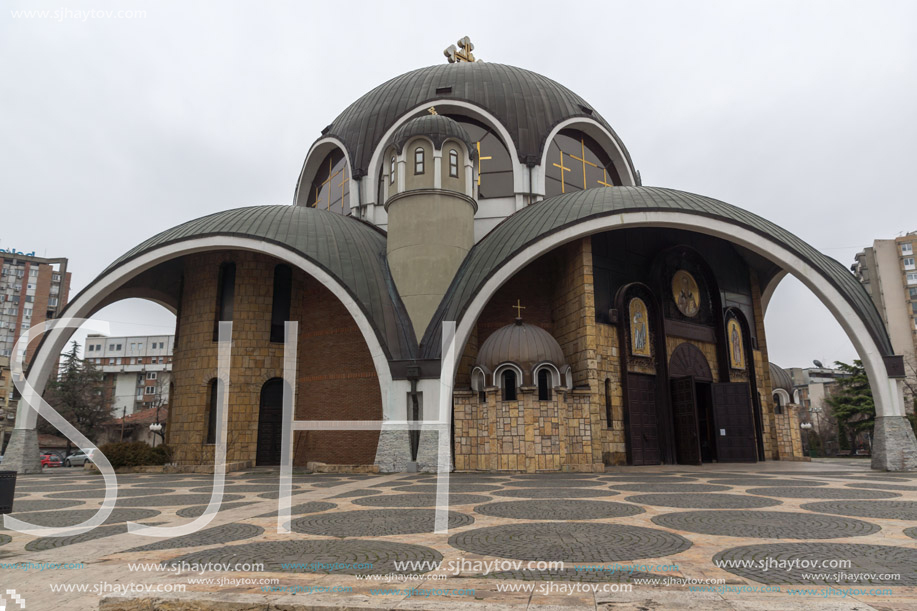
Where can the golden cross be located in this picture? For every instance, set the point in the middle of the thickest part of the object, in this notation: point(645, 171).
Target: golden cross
point(480, 159)
point(583, 159)
point(518, 307)
point(343, 184)
point(562, 170)
point(432, 110)
point(315, 203)
point(604, 180)
point(461, 54)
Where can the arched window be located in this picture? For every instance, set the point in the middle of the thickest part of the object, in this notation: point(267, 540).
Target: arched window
point(509, 385)
point(453, 163)
point(608, 415)
point(280, 308)
point(391, 171)
point(212, 413)
point(544, 385)
point(226, 289)
point(418, 160)
point(778, 403)
point(478, 383)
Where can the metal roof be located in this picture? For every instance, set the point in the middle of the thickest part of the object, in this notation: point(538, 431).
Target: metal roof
point(780, 378)
point(528, 105)
point(436, 127)
point(348, 249)
point(523, 344)
point(557, 213)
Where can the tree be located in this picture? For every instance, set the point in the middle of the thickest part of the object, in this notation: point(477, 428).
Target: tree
point(77, 395)
point(852, 405)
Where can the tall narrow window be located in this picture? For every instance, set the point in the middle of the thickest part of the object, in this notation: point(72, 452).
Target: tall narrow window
point(212, 413)
point(608, 415)
point(418, 160)
point(509, 385)
point(280, 310)
point(453, 164)
point(391, 171)
point(226, 289)
point(544, 385)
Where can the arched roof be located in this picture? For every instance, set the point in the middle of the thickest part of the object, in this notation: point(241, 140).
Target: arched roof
point(436, 127)
point(780, 378)
point(529, 105)
point(520, 343)
point(557, 213)
point(349, 249)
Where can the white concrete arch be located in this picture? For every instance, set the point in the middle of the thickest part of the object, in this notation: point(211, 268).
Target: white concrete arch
point(498, 373)
point(442, 107)
point(887, 392)
point(600, 134)
point(783, 395)
point(317, 153)
point(552, 369)
point(96, 296)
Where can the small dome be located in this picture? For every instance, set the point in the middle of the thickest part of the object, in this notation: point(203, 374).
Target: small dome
point(780, 378)
point(522, 344)
point(436, 127)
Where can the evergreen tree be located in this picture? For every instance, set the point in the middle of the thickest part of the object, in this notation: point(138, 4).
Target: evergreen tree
point(853, 405)
point(77, 395)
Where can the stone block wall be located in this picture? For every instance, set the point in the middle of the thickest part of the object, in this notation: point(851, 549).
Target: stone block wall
point(336, 379)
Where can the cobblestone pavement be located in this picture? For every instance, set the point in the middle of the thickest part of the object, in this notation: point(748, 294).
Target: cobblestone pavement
point(622, 527)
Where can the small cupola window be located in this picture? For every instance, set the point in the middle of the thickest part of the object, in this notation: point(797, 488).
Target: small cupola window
point(391, 175)
point(453, 163)
point(509, 385)
point(418, 160)
point(544, 385)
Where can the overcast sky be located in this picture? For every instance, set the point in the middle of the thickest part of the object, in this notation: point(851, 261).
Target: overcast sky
point(112, 130)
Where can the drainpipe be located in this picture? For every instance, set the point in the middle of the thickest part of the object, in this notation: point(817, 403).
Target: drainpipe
point(413, 376)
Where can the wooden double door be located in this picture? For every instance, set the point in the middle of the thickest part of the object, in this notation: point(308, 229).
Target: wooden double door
point(712, 422)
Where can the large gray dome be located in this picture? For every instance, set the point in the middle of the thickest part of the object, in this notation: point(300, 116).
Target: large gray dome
point(522, 344)
point(528, 105)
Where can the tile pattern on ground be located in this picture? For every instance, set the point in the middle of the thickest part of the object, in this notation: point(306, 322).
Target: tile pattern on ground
point(558, 510)
point(375, 522)
point(765, 524)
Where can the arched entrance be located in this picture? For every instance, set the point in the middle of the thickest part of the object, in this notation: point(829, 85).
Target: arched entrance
point(270, 423)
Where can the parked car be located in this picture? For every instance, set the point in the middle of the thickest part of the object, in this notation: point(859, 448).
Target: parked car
point(50, 460)
point(79, 458)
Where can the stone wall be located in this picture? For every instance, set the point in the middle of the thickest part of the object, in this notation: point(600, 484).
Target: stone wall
point(335, 377)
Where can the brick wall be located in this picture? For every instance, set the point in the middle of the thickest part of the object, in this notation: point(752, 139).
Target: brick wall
point(336, 379)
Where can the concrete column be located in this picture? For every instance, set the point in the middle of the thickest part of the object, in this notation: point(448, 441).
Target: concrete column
point(22, 452)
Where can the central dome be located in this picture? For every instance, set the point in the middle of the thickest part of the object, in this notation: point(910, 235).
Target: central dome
point(527, 104)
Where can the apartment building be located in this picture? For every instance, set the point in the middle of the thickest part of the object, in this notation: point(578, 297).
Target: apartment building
point(138, 370)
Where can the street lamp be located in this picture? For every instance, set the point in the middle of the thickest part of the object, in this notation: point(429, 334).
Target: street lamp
point(156, 428)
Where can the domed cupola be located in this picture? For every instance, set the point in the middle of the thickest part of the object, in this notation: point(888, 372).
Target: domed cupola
point(435, 127)
point(530, 353)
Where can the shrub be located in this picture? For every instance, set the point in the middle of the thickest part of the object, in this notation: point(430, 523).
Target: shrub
point(135, 454)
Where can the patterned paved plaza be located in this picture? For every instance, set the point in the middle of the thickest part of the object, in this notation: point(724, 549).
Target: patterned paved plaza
point(755, 529)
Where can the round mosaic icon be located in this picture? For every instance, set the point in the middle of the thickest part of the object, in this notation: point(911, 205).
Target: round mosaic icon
point(322, 556)
point(375, 523)
point(703, 501)
point(554, 493)
point(670, 487)
point(883, 510)
point(765, 524)
point(787, 492)
point(557, 510)
point(225, 533)
point(418, 500)
point(804, 563)
point(578, 542)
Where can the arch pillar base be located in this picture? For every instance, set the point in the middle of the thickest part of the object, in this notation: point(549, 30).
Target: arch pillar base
point(21, 453)
point(894, 447)
point(394, 451)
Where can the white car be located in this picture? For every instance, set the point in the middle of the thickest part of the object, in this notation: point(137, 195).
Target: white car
point(79, 458)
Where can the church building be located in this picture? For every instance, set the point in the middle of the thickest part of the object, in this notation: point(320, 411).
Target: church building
point(597, 321)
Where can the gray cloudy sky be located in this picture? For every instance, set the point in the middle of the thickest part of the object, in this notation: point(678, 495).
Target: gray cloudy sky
point(112, 130)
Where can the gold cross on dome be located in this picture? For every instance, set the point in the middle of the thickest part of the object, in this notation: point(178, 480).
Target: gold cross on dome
point(562, 170)
point(461, 54)
point(480, 159)
point(432, 110)
point(518, 307)
point(604, 182)
point(584, 161)
point(342, 184)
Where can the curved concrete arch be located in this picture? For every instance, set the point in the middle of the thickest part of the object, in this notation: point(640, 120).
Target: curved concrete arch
point(317, 153)
point(372, 173)
point(600, 134)
point(768, 291)
point(887, 392)
point(555, 373)
point(784, 396)
point(91, 299)
point(498, 371)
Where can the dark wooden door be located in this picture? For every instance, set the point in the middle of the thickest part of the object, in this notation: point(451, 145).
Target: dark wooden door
point(734, 425)
point(270, 423)
point(643, 433)
point(684, 412)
